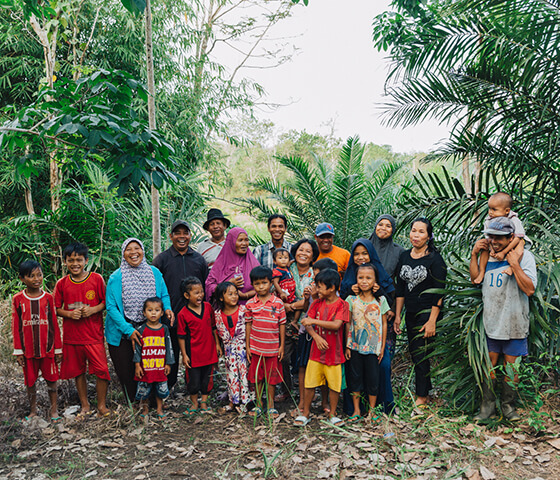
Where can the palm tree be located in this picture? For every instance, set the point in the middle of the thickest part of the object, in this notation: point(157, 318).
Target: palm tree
point(341, 194)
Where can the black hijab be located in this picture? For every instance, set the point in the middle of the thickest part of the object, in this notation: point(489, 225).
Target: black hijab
point(387, 250)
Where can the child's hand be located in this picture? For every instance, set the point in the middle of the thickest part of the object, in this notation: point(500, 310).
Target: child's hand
point(87, 311)
point(248, 356)
point(307, 292)
point(390, 315)
point(498, 256)
point(356, 289)
point(347, 353)
point(284, 296)
point(375, 287)
point(397, 324)
point(281, 353)
point(139, 371)
point(58, 358)
point(321, 343)
point(219, 350)
point(167, 369)
point(307, 322)
point(77, 313)
point(380, 356)
point(171, 316)
point(186, 361)
point(20, 359)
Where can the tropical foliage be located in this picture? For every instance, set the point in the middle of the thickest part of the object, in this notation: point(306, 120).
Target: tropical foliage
point(490, 68)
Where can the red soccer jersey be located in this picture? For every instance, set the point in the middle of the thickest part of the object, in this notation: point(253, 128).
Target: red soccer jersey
point(34, 326)
point(266, 320)
point(320, 310)
point(197, 330)
point(69, 295)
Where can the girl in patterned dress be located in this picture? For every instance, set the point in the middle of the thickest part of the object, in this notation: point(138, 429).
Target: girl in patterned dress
point(230, 328)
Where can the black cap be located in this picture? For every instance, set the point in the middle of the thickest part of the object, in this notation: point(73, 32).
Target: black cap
point(179, 223)
point(215, 214)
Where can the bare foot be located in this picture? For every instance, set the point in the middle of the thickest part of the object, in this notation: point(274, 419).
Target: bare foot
point(508, 271)
point(478, 280)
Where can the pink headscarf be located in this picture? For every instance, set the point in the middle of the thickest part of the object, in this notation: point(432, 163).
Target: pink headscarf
point(229, 264)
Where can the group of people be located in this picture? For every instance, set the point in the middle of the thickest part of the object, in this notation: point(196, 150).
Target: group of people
point(309, 310)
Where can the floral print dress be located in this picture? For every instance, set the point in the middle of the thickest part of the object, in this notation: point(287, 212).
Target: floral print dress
point(231, 330)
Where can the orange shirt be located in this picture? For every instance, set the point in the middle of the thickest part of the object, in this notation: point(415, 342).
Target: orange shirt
point(340, 256)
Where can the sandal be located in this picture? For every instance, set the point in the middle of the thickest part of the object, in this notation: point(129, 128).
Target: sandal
point(354, 419)
point(272, 412)
point(56, 420)
point(190, 412)
point(336, 422)
point(205, 410)
point(326, 411)
point(301, 421)
point(161, 416)
point(256, 412)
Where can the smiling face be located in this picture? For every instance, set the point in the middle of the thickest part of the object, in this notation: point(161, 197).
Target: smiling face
point(181, 237)
point(499, 242)
point(33, 281)
point(242, 244)
point(384, 229)
point(133, 254)
point(304, 255)
point(277, 229)
point(76, 264)
point(325, 242)
point(231, 296)
point(153, 311)
point(365, 278)
point(419, 235)
point(195, 296)
point(262, 286)
point(323, 291)
point(361, 255)
point(217, 228)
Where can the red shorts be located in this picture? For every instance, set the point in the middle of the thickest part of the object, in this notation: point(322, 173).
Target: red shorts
point(46, 365)
point(266, 369)
point(75, 358)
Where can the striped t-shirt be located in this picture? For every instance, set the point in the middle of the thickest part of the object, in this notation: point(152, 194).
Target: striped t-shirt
point(265, 329)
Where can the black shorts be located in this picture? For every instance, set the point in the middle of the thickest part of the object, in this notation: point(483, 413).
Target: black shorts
point(199, 380)
point(363, 374)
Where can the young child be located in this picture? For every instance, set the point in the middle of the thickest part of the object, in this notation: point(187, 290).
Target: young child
point(79, 298)
point(282, 278)
point(329, 315)
point(366, 340)
point(265, 320)
point(37, 343)
point(153, 358)
point(230, 328)
point(499, 205)
point(197, 343)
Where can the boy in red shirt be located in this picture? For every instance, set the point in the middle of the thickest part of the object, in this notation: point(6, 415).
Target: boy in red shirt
point(37, 344)
point(326, 322)
point(80, 300)
point(265, 320)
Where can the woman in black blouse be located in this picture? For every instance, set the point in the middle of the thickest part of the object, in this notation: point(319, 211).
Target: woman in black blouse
point(419, 269)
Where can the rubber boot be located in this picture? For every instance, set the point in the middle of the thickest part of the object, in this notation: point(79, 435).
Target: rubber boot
point(488, 404)
point(508, 402)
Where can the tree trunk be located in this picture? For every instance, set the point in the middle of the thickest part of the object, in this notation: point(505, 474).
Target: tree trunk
point(156, 223)
point(466, 172)
point(29, 197)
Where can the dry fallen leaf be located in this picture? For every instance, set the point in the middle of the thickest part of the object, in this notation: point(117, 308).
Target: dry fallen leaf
point(508, 458)
point(486, 474)
point(555, 442)
point(473, 474)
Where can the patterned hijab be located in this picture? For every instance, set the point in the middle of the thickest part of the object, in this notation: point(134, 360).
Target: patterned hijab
point(138, 283)
point(229, 263)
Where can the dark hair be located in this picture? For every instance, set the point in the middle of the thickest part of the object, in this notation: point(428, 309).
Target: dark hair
point(25, 268)
point(218, 295)
point(324, 264)
point(430, 230)
point(329, 278)
point(188, 283)
point(277, 215)
point(279, 250)
point(371, 266)
point(152, 300)
point(314, 248)
point(260, 273)
point(77, 248)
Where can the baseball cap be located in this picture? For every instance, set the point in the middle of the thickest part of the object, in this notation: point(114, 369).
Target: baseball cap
point(179, 223)
point(323, 229)
point(499, 226)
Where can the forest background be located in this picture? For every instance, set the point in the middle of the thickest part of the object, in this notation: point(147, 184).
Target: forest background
point(81, 160)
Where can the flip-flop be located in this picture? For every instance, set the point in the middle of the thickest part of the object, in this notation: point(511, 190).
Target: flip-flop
point(205, 410)
point(190, 412)
point(354, 419)
point(336, 422)
point(106, 414)
point(272, 412)
point(161, 416)
point(301, 421)
point(56, 419)
point(256, 412)
point(375, 419)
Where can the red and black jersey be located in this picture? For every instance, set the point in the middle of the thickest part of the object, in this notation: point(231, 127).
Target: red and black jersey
point(34, 326)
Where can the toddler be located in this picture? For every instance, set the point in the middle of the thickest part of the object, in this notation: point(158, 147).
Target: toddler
point(153, 357)
point(37, 343)
point(282, 278)
point(230, 328)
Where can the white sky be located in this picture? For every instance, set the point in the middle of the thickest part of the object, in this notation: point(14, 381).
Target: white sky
point(338, 74)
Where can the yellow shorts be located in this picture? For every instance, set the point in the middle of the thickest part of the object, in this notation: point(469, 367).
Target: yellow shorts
point(317, 374)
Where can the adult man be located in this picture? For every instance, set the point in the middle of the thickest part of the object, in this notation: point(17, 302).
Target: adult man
point(277, 225)
point(176, 263)
point(324, 236)
point(216, 224)
point(506, 309)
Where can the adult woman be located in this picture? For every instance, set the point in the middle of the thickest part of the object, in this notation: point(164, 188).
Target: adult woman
point(234, 264)
point(304, 252)
point(127, 289)
point(389, 253)
point(419, 269)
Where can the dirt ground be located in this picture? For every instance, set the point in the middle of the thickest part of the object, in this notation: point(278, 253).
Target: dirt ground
point(127, 446)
